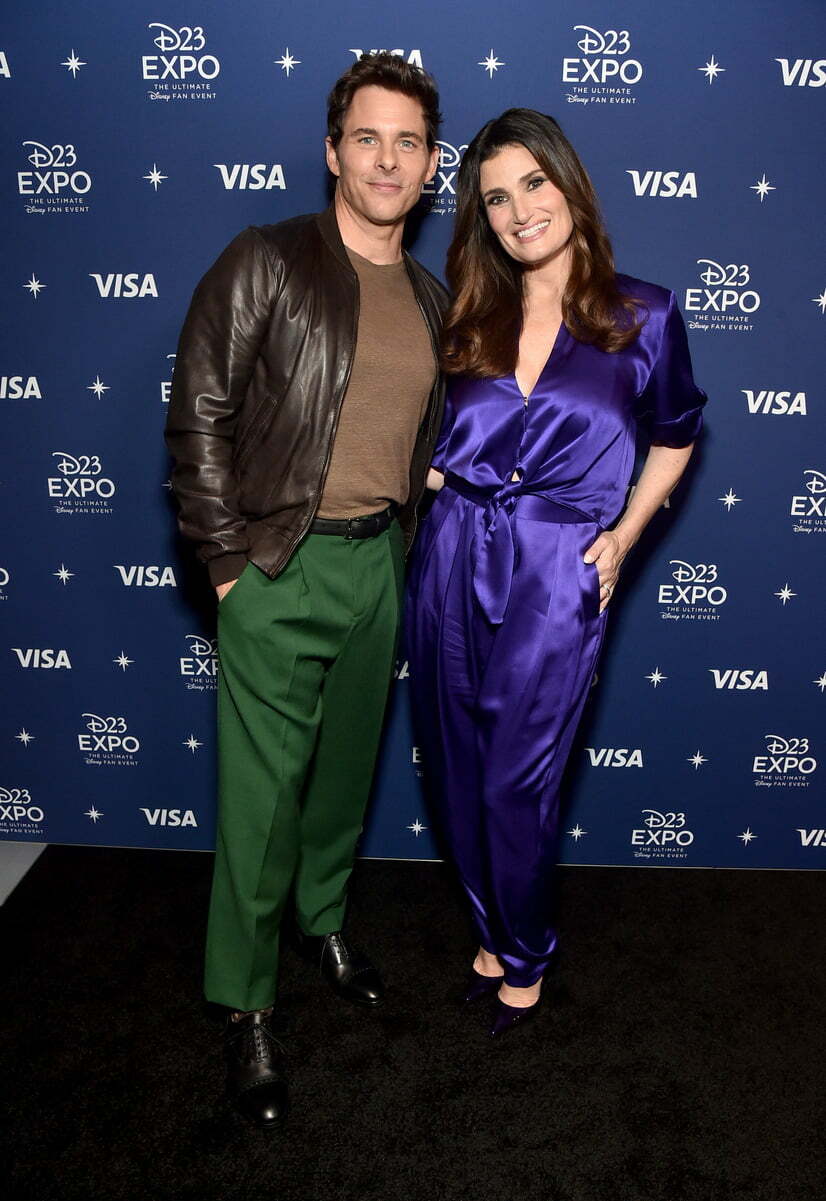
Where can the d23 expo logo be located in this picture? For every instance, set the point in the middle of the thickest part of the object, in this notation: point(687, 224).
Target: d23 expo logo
point(199, 667)
point(107, 742)
point(55, 184)
point(440, 192)
point(181, 71)
point(19, 814)
point(4, 580)
point(694, 596)
point(662, 836)
point(809, 508)
point(785, 763)
point(81, 486)
point(726, 304)
point(166, 384)
point(605, 73)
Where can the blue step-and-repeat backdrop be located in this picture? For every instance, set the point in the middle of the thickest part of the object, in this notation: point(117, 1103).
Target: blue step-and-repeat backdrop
point(141, 137)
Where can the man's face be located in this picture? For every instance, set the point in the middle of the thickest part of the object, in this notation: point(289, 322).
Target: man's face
point(382, 159)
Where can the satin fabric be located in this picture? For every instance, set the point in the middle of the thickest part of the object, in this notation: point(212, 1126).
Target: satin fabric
point(503, 621)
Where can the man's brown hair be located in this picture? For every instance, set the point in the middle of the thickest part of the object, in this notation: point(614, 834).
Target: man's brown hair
point(388, 71)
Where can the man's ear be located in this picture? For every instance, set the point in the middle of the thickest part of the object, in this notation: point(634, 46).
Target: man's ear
point(332, 157)
point(433, 164)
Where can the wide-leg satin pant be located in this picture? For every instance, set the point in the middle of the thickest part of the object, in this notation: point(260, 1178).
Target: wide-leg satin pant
point(497, 708)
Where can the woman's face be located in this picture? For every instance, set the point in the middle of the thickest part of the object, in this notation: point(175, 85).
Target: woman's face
point(528, 214)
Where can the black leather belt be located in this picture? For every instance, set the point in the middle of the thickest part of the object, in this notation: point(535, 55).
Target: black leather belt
point(355, 527)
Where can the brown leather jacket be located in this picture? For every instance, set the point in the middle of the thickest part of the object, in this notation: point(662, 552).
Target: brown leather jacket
point(262, 367)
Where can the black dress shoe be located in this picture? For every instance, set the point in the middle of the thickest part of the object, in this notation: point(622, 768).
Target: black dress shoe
point(349, 973)
point(255, 1070)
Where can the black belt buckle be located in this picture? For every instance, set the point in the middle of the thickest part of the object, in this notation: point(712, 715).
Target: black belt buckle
point(368, 526)
point(350, 528)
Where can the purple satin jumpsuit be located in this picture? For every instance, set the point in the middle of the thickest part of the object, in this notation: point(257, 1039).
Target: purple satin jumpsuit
point(503, 619)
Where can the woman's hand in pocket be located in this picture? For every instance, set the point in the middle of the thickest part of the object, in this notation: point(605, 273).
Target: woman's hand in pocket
point(607, 554)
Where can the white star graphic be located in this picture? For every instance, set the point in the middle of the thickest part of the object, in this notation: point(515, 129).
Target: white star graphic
point(122, 661)
point(577, 832)
point(25, 737)
point(73, 64)
point(417, 827)
point(491, 64)
point(656, 677)
point(286, 62)
point(785, 593)
point(192, 743)
point(821, 682)
point(746, 836)
point(93, 814)
point(167, 484)
point(64, 575)
point(98, 387)
point(729, 499)
point(821, 300)
point(711, 69)
point(697, 759)
point(155, 177)
point(34, 286)
point(763, 187)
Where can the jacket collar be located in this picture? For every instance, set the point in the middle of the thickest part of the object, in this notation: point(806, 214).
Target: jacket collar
point(328, 225)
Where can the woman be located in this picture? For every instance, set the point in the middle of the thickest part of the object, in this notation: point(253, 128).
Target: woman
point(553, 359)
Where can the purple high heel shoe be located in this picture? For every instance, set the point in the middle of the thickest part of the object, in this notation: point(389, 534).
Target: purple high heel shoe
point(478, 986)
point(505, 1017)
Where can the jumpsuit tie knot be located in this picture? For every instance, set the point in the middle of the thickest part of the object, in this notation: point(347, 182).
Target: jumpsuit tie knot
point(496, 552)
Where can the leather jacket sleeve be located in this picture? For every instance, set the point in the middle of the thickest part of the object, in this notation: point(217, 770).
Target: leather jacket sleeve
point(217, 351)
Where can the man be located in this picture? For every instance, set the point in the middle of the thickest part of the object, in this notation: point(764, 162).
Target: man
point(305, 402)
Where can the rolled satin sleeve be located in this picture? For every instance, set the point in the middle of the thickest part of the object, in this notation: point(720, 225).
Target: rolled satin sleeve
point(670, 406)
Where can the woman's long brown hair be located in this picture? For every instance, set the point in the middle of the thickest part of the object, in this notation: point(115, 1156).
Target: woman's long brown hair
point(481, 332)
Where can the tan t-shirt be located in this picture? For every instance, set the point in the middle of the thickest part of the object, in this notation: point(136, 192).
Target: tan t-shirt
point(390, 383)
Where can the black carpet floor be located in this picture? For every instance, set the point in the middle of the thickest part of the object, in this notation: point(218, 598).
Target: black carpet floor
point(680, 1054)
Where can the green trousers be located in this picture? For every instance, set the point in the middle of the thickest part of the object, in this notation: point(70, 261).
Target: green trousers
point(306, 663)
